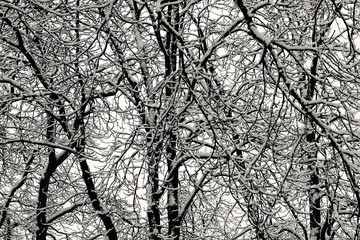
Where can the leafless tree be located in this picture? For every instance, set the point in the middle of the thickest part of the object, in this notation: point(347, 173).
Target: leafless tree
point(179, 119)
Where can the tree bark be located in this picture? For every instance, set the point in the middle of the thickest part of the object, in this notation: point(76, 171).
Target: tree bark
point(171, 122)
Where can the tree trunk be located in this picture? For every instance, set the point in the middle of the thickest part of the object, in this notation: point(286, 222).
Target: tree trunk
point(314, 192)
point(171, 122)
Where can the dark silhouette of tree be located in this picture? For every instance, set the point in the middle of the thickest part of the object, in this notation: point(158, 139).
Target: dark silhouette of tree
point(179, 119)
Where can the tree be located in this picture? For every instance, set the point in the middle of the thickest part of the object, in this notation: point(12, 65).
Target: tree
point(179, 119)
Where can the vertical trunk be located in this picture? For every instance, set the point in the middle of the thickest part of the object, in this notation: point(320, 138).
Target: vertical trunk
point(170, 65)
point(153, 212)
point(153, 138)
point(173, 201)
point(42, 227)
point(318, 37)
point(314, 192)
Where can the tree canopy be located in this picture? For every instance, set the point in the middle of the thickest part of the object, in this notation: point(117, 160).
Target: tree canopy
point(179, 119)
